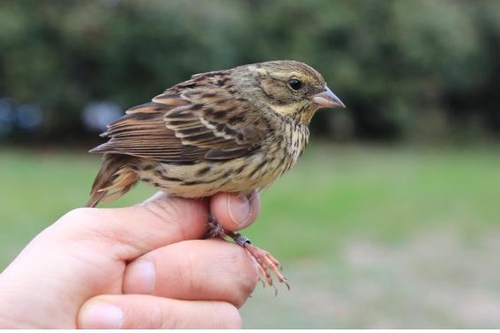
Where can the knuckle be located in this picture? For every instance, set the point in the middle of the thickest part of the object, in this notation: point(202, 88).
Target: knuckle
point(77, 214)
point(245, 276)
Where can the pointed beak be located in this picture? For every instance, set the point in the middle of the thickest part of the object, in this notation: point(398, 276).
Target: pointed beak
point(327, 99)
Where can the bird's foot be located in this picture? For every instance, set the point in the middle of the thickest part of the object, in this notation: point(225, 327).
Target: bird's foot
point(265, 260)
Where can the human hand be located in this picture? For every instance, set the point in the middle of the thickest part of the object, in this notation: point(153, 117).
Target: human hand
point(145, 266)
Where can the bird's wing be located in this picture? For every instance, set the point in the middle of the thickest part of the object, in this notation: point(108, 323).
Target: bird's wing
point(199, 119)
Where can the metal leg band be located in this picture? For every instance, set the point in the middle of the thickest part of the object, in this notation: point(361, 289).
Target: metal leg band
point(241, 240)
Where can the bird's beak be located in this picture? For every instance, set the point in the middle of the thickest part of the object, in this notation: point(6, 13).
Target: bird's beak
point(327, 99)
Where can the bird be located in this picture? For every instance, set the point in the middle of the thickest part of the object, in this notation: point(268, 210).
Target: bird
point(234, 131)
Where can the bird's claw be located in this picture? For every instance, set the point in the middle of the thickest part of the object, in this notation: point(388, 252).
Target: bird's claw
point(267, 264)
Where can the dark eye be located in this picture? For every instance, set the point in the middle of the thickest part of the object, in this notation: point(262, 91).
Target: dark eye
point(294, 84)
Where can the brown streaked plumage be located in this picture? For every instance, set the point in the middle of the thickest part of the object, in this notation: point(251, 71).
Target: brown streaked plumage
point(233, 130)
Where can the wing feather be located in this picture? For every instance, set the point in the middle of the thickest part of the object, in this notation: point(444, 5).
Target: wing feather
point(199, 119)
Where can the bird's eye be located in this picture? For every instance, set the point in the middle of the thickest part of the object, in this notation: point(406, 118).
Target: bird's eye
point(294, 84)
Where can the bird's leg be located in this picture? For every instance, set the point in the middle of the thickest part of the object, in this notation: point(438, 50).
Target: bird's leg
point(214, 229)
point(266, 262)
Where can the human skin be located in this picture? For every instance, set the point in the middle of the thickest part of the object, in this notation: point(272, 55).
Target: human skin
point(145, 266)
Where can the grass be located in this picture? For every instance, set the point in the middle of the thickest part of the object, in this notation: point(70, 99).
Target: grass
point(380, 192)
point(40, 186)
point(335, 198)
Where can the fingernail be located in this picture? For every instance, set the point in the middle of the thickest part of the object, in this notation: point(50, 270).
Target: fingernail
point(140, 277)
point(239, 208)
point(99, 314)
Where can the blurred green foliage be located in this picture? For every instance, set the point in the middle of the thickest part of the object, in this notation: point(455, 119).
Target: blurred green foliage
point(424, 70)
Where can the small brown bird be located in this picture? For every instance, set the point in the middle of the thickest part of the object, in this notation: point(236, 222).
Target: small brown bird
point(233, 130)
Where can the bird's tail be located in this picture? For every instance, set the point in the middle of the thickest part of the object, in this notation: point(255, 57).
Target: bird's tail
point(113, 180)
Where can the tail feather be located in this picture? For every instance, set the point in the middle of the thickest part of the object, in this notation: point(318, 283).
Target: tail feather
point(113, 180)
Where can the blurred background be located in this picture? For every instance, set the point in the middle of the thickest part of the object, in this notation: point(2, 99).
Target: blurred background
point(391, 219)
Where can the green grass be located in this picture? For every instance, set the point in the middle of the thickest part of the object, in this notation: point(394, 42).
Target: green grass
point(38, 187)
point(379, 192)
point(358, 230)
point(333, 191)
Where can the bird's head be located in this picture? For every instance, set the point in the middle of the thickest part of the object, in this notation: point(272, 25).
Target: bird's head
point(291, 88)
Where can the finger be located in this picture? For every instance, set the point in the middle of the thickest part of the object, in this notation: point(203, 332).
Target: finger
point(133, 231)
point(195, 270)
point(145, 311)
point(233, 211)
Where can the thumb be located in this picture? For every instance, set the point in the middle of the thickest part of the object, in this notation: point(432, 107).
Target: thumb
point(235, 211)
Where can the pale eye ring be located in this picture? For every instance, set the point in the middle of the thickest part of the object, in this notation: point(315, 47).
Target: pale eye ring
point(294, 84)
